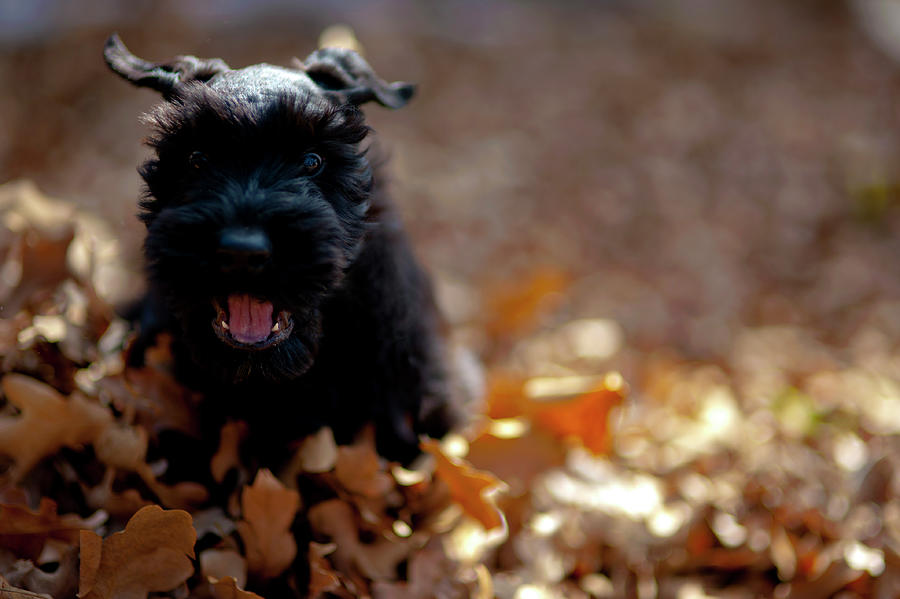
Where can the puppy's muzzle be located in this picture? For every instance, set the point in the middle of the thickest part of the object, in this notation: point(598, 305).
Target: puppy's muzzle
point(243, 249)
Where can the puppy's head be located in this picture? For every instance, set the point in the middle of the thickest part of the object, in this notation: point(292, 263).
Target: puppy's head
point(257, 199)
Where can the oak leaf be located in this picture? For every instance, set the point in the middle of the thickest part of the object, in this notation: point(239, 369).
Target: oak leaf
point(268, 509)
point(150, 555)
point(48, 422)
point(472, 489)
point(24, 531)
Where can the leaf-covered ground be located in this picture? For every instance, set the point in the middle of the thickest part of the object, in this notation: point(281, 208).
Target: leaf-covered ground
point(666, 242)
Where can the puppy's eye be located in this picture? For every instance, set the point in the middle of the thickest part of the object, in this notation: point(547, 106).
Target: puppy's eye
point(312, 164)
point(197, 160)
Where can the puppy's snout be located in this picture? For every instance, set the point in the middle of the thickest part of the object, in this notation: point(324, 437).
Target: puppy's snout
point(243, 248)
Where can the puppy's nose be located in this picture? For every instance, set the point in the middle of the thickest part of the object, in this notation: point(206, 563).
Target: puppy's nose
point(243, 248)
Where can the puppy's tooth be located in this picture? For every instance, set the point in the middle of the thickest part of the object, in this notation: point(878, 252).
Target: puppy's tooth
point(276, 327)
point(224, 325)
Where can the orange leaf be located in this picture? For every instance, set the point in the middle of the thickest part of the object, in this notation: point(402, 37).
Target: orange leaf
point(48, 421)
point(24, 532)
point(586, 417)
point(517, 307)
point(269, 509)
point(472, 489)
point(227, 588)
point(150, 555)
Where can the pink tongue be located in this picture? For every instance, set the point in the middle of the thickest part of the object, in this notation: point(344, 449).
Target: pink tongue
point(249, 320)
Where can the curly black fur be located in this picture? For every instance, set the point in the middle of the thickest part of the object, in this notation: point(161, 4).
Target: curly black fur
point(364, 345)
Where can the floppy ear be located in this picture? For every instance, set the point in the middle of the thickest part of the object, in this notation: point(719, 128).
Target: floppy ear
point(346, 77)
point(164, 77)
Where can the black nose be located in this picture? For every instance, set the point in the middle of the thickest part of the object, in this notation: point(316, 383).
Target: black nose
point(243, 248)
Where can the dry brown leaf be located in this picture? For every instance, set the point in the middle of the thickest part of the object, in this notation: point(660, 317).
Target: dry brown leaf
point(322, 579)
point(378, 560)
point(159, 401)
point(227, 456)
point(48, 422)
point(151, 554)
point(472, 489)
point(60, 579)
point(8, 591)
point(358, 468)
point(24, 531)
point(228, 588)
point(268, 509)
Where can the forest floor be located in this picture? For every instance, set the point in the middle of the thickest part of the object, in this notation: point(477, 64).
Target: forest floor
point(666, 249)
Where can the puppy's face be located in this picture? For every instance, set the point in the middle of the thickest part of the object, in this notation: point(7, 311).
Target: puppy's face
point(257, 201)
point(254, 210)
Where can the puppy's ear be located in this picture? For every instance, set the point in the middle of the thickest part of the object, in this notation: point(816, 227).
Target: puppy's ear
point(346, 77)
point(164, 77)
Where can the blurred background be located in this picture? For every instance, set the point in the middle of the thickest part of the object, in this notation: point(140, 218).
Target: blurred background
point(703, 196)
point(683, 168)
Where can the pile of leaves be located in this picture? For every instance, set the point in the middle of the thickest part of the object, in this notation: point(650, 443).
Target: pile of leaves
point(771, 474)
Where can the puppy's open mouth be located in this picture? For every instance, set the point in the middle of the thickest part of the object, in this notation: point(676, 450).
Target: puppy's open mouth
point(248, 323)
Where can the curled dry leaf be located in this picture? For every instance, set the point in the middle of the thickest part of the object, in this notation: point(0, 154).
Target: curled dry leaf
point(226, 456)
point(24, 531)
point(228, 588)
point(472, 489)
point(378, 560)
point(322, 579)
point(358, 469)
point(8, 591)
point(268, 509)
point(152, 554)
point(48, 422)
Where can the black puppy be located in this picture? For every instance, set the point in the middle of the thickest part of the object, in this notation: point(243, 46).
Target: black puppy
point(275, 258)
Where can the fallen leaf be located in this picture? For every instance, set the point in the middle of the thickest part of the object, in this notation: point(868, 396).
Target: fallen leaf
point(48, 422)
point(8, 591)
point(377, 560)
point(515, 308)
point(472, 489)
point(60, 579)
point(150, 555)
point(359, 470)
point(228, 588)
point(226, 456)
point(322, 579)
point(268, 509)
point(584, 418)
point(24, 531)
